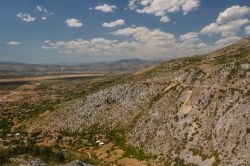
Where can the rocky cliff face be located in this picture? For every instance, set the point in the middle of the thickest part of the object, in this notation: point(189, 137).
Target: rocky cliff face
point(194, 109)
point(112, 107)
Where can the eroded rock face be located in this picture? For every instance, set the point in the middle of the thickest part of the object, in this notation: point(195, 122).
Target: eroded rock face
point(245, 66)
point(208, 118)
point(39, 162)
point(194, 109)
point(231, 134)
point(77, 163)
point(112, 107)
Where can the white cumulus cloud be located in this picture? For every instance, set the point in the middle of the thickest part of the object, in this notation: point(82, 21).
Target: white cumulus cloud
point(44, 12)
point(39, 8)
point(247, 30)
point(191, 36)
point(106, 8)
point(72, 22)
point(162, 7)
point(44, 18)
point(140, 42)
point(165, 19)
point(113, 23)
point(149, 37)
point(189, 5)
point(229, 22)
point(232, 13)
point(228, 28)
point(26, 17)
point(13, 43)
point(227, 40)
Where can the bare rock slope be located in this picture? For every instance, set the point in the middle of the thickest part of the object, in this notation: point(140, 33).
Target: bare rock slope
point(195, 109)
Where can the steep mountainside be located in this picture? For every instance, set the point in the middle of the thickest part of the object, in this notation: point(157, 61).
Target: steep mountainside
point(193, 109)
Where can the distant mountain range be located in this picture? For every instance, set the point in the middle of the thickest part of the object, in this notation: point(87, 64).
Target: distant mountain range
point(123, 66)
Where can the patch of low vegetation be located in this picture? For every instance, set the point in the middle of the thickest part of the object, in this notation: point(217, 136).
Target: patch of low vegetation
point(8, 86)
point(47, 154)
point(118, 138)
point(197, 152)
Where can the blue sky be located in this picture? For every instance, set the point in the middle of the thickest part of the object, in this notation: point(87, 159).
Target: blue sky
point(83, 31)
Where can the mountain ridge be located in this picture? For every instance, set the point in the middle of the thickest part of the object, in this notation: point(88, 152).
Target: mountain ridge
point(124, 65)
point(192, 110)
